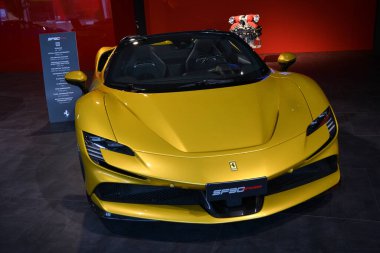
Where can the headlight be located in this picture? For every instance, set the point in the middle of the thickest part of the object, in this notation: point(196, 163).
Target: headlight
point(325, 117)
point(94, 144)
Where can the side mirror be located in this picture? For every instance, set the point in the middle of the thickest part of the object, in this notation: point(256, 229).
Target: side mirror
point(286, 60)
point(77, 78)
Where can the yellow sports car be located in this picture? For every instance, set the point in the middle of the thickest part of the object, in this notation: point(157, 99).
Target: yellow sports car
point(194, 127)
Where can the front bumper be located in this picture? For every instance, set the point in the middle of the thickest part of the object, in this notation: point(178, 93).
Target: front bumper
point(283, 192)
point(196, 214)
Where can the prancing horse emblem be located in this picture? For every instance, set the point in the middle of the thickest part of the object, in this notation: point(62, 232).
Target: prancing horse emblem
point(233, 166)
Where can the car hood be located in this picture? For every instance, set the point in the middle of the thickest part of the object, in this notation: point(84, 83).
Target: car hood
point(211, 120)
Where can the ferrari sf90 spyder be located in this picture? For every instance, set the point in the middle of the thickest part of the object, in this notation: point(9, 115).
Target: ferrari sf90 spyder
point(194, 127)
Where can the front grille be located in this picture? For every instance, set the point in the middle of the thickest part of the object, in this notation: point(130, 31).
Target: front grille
point(162, 195)
point(304, 175)
point(143, 194)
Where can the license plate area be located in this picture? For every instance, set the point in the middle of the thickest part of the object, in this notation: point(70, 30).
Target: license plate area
point(236, 189)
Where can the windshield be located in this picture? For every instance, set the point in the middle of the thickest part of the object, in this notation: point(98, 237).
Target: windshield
point(183, 61)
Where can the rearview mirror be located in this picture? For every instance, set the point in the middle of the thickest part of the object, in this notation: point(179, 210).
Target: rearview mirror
point(77, 78)
point(286, 60)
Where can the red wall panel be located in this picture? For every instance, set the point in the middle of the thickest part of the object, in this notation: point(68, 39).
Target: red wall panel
point(294, 25)
point(22, 21)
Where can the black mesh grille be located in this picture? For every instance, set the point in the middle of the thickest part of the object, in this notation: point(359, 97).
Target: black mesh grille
point(304, 175)
point(143, 194)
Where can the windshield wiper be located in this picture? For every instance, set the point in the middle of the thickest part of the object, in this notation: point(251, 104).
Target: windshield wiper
point(127, 87)
point(205, 83)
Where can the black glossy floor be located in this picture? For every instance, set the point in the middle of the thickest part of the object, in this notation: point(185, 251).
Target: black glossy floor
point(43, 206)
